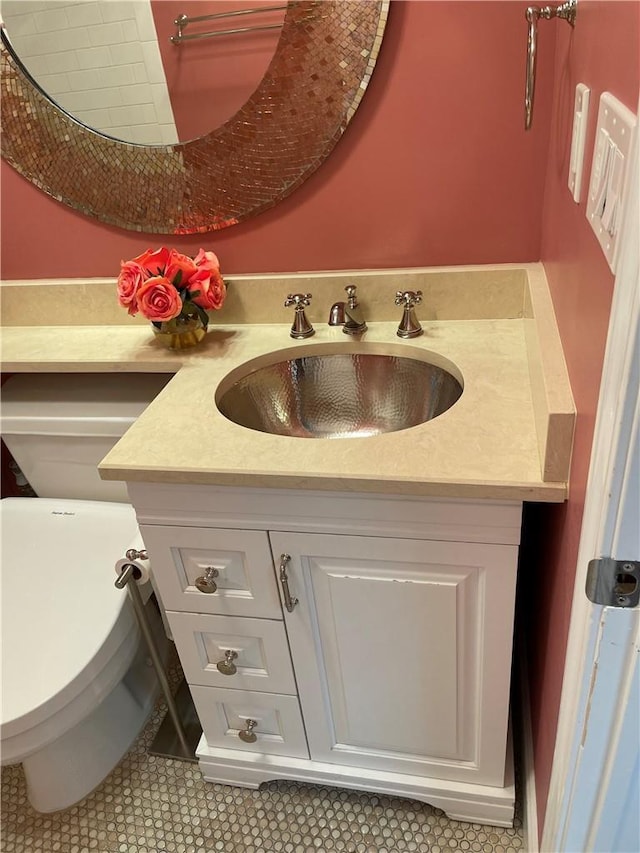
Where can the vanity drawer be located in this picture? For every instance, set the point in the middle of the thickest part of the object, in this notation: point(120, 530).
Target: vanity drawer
point(262, 661)
point(224, 715)
point(245, 583)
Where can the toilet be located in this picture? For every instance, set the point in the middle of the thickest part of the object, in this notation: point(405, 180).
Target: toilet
point(77, 684)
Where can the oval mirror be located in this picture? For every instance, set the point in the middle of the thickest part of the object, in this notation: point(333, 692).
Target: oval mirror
point(325, 55)
point(158, 72)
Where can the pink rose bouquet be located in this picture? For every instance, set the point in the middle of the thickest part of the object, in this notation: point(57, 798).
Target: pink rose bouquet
point(165, 285)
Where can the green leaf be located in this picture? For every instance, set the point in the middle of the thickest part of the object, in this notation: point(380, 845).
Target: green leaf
point(203, 315)
point(177, 279)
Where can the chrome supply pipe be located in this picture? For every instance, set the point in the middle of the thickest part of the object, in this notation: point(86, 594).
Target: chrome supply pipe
point(127, 579)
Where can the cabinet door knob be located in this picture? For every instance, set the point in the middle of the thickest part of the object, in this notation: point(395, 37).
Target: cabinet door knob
point(227, 666)
point(289, 601)
point(248, 735)
point(206, 583)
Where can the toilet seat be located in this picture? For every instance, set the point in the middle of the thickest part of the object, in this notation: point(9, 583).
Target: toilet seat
point(68, 635)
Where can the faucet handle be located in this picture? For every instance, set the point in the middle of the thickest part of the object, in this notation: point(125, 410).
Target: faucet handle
point(351, 290)
point(409, 326)
point(408, 298)
point(301, 327)
point(300, 300)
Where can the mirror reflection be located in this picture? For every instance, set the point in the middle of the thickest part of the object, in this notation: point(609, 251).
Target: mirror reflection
point(113, 66)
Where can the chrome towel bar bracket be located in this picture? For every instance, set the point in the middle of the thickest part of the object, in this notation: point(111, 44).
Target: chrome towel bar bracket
point(567, 11)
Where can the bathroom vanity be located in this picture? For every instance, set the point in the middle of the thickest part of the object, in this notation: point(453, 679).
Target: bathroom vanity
point(343, 610)
point(349, 640)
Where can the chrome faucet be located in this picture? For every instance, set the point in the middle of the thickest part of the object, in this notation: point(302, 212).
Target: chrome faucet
point(348, 314)
point(301, 327)
point(409, 326)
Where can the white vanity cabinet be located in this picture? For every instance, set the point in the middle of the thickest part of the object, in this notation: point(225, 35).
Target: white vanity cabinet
point(401, 649)
point(386, 668)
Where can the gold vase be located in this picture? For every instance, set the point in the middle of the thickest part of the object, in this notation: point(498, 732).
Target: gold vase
point(181, 332)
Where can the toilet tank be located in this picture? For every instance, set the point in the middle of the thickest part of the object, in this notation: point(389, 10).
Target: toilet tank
point(58, 427)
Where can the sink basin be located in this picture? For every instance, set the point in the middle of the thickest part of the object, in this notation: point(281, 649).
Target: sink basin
point(337, 395)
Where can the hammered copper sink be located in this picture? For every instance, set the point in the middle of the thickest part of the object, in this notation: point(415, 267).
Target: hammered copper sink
point(338, 395)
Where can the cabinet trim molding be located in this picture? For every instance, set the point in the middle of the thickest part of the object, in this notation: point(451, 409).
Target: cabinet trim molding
point(459, 800)
point(488, 522)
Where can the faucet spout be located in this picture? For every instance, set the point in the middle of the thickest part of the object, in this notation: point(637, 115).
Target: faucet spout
point(336, 314)
point(348, 314)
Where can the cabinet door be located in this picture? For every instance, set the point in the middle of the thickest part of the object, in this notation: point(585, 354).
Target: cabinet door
point(245, 583)
point(402, 652)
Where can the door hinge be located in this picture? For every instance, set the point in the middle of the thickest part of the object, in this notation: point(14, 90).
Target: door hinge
point(613, 583)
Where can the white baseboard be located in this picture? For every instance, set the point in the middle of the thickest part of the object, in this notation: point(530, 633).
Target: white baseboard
point(527, 769)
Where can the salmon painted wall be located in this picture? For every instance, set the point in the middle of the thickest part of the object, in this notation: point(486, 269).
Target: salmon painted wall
point(435, 168)
point(603, 53)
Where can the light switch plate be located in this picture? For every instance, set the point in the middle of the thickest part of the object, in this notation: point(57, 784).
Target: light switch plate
point(609, 170)
point(578, 138)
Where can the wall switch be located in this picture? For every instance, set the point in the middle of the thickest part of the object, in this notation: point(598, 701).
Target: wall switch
point(607, 189)
point(580, 118)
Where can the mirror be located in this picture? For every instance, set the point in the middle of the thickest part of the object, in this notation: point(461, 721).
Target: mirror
point(112, 64)
point(325, 55)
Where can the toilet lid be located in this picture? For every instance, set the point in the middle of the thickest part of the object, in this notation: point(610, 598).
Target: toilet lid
point(62, 617)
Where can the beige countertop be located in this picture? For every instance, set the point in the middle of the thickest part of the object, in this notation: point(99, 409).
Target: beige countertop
point(507, 438)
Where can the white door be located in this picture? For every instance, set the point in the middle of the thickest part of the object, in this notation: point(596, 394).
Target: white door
point(402, 651)
point(594, 792)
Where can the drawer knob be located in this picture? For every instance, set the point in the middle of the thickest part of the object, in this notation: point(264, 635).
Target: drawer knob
point(206, 582)
point(227, 666)
point(248, 735)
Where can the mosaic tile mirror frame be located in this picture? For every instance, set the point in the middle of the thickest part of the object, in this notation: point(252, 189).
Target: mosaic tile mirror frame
point(320, 70)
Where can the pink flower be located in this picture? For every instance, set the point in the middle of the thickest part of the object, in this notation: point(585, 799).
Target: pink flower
point(179, 263)
point(209, 288)
point(163, 283)
point(132, 275)
point(158, 299)
point(154, 262)
point(207, 260)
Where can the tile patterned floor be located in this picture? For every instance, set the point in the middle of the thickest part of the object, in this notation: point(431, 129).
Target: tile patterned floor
point(157, 805)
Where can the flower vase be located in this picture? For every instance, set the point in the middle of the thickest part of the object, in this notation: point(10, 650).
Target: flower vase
point(182, 332)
